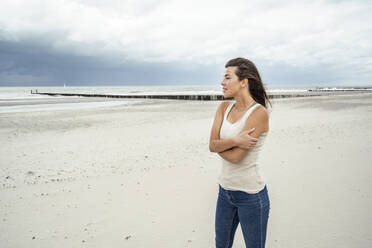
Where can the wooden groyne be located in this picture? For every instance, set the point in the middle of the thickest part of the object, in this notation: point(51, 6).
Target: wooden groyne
point(174, 97)
point(185, 97)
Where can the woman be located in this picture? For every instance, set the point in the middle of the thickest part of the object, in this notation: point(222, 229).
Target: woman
point(238, 132)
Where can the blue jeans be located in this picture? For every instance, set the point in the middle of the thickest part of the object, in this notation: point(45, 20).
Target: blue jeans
point(251, 210)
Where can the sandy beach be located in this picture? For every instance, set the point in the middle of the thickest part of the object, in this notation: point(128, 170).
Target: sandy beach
point(143, 175)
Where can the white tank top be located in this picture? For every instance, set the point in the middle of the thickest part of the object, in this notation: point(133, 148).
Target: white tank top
point(245, 175)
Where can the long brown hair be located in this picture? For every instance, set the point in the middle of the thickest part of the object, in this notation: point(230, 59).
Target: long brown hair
point(247, 69)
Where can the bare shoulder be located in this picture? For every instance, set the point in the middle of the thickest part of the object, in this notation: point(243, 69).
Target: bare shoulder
point(261, 111)
point(260, 115)
point(223, 106)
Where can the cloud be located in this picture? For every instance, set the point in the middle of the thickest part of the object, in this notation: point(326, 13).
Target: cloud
point(34, 63)
point(330, 39)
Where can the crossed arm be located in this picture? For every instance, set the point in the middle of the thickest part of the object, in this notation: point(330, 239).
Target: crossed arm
point(229, 149)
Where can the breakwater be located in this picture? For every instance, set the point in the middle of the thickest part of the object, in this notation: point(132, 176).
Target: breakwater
point(171, 96)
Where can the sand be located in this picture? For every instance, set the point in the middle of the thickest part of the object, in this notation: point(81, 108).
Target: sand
point(143, 175)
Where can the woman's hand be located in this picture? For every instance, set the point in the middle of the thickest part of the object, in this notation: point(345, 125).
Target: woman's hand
point(244, 140)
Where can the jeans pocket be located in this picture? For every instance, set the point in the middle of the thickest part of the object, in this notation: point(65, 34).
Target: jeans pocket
point(247, 200)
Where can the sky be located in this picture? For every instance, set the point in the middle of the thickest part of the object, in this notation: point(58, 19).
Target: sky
point(171, 42)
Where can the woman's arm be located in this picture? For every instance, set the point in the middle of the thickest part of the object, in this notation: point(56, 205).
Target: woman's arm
point(219, 145)
point(215, 143)
point(259, 119)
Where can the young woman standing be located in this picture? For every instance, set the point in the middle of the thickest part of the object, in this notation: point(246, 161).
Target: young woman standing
point(239, 130)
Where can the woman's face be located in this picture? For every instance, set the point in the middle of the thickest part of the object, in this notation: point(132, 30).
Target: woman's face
point(230, 83)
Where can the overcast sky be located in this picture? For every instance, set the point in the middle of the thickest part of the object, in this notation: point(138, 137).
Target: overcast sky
point(136, 42)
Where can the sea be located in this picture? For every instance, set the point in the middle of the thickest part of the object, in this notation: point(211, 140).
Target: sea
point(20, 99)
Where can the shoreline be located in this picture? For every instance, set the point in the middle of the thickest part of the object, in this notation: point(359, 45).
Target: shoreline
point(205, 97)
point(58, 103)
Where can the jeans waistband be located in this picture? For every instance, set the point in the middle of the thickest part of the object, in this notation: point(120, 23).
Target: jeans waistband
point(264, 190)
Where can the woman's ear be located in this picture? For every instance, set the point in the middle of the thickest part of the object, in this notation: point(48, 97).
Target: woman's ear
point(244, 83)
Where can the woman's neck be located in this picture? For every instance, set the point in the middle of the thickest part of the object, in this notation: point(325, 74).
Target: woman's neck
point(243, 103)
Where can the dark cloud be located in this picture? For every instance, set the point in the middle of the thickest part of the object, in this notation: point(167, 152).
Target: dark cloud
point(35, 61)
point(31, 62)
